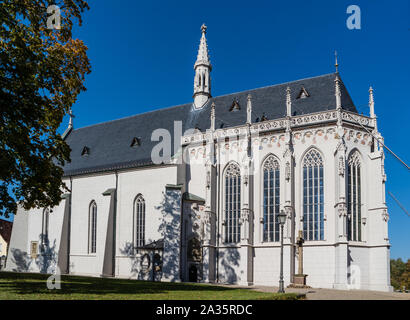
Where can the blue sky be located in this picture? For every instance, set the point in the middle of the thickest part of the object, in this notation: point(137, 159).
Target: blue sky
point(142, 55)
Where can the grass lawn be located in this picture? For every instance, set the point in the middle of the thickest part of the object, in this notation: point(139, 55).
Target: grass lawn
point(17, 286)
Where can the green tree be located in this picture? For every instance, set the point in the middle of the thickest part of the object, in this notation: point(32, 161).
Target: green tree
point(42, 72)
point(400, 273)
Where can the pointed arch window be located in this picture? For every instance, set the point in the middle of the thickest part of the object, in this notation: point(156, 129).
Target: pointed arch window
point(354, 199)
point(232, 203)
point(139, 221)
point(313, 215)
point(271, 198)
point(44, 228)
point(92, 227)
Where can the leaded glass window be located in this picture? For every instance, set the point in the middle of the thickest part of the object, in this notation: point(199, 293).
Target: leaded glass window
point(139, 221)
point(313, 215)
point(354, 200)
point(232, 203)
point(271, 193)
point(92, 225)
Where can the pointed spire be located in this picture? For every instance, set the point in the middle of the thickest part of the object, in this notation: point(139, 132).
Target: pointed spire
point(203, 67)
point(203, 54)
point(249, 110)
point(288, 103)
point(336, 63)
point(213, 117)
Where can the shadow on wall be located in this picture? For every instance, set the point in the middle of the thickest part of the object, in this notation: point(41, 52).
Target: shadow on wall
point(169, 228)
point(45, 261)
point(135, 271)
point(228, 259)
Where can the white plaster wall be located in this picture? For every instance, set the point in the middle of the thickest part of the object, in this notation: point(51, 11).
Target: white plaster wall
point(150, 183)
point(379, 269)
point(229, 265)
point(358, 257)
point(319, 265)
point(267, 265)
point(84, 190)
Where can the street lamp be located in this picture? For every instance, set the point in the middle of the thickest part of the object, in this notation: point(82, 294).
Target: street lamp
point(282, 220)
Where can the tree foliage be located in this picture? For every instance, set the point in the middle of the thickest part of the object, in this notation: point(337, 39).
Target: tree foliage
point(400, 274)
point(41, 74)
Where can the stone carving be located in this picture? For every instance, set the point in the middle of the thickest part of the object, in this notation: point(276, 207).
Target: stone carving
point(271, 163)
point(281, 124)
point(385, 215)
point(233, 170)
point(341, 166)
point(342, 210)
point(287, 171)
point(312, 159)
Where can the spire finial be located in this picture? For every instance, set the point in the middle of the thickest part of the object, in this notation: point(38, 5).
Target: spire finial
point(203, 28)
point(338, 93)
point(288, 103)
point(213, 116)
point(371, 103)
point(249, 110)
point(70, 113)
point(336, 63)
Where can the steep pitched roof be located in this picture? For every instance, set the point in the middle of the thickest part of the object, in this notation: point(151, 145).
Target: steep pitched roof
point(109, 142)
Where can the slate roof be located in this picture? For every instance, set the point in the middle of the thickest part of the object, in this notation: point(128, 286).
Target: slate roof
point(109, 143)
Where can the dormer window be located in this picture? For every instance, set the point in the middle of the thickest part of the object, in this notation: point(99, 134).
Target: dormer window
point(235, 106)
point(264, 118)
point(136, 142)
point(303, 94)
point(85, 152)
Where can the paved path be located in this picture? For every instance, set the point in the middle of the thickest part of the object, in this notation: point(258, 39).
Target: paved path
point(329, 294)
point(332, 294)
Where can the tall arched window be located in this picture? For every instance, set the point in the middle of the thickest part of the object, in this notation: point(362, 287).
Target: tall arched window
point(313, 217)
point(270, 199)
point(139, 221)
point(232, 203)
point(92, 228)
point(44, 228)
point(354, 199)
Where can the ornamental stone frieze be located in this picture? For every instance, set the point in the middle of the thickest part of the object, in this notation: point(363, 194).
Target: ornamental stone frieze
point(278, 124)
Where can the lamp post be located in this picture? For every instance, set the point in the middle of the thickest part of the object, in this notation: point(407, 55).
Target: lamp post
point(282, 220)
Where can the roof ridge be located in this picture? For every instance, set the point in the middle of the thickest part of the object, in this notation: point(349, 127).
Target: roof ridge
point(276, 85)
point(185, 104)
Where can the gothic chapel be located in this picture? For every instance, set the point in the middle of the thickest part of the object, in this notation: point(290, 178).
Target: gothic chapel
point(208, 209)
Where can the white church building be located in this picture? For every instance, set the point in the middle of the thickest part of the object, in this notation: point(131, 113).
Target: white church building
point(193, 192)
